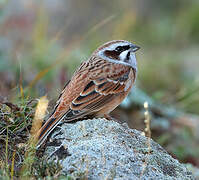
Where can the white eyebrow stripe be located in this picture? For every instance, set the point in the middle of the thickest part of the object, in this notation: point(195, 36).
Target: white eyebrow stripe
point(113, 46)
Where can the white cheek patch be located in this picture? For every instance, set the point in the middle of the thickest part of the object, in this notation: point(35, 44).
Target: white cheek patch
point(123, 55)
point(132, 59)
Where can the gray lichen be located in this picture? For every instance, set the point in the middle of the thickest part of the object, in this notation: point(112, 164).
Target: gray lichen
point(102, 149)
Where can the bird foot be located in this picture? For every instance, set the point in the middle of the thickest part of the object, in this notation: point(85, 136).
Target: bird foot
point(108, 117)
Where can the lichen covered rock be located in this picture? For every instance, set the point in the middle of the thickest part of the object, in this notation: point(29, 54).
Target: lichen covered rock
point(102, 149)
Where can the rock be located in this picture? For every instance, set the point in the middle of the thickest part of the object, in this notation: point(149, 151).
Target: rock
point(193, 169)
point(102, 149)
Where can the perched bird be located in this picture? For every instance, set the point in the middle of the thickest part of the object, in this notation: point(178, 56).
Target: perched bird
point(97, 87)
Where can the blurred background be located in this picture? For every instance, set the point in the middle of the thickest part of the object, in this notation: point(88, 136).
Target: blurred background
point(43, 42)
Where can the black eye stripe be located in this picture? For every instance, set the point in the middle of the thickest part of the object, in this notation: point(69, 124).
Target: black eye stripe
point(122, 48)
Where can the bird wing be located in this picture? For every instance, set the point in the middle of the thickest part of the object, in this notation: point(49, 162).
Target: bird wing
point(91, 88)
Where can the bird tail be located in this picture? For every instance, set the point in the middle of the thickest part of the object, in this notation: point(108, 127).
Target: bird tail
point(47, 128)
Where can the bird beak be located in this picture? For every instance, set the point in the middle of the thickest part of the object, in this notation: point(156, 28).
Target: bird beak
point(134, 48)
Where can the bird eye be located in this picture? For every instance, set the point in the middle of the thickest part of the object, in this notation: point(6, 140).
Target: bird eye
point(119, 49)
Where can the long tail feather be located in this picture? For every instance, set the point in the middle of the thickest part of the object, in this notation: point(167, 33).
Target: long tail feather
point(47, 128)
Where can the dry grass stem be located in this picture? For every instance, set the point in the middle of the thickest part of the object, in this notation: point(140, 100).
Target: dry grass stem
point(36, 125)
point(147, 133)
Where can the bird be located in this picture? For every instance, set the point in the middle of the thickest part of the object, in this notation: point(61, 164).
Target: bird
point(97, 87)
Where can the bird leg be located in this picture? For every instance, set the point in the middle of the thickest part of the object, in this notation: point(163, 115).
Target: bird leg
point(108, 117)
